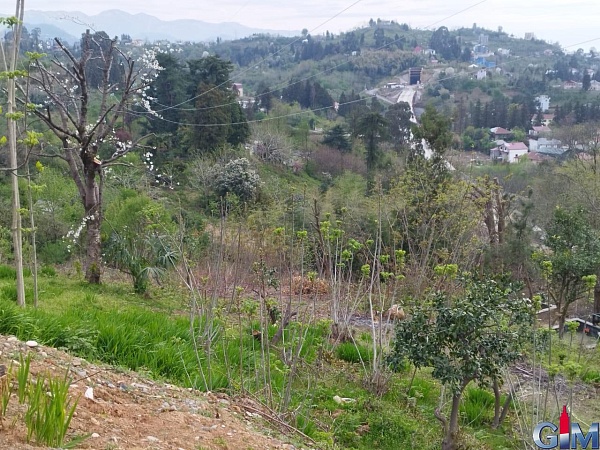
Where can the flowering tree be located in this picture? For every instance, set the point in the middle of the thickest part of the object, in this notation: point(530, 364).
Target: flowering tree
point(65, 82)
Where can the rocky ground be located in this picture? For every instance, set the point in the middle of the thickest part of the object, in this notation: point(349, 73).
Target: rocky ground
point(130, 411)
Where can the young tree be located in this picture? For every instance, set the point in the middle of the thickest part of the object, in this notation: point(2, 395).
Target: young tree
point(10, 72)
point(398, 116)
point(373, 129)
point(336, 137)
point(82, 134)
point(574, 253)
point(471, 334)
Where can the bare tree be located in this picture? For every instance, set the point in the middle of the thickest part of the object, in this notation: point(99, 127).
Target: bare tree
point(65, 82)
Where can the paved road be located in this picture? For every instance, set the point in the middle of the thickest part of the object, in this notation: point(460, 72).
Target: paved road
point(408, 95)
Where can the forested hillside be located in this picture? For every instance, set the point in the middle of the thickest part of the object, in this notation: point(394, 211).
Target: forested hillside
point(266, 218)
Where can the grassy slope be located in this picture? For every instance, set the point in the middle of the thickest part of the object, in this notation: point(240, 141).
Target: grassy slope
point(110, 324)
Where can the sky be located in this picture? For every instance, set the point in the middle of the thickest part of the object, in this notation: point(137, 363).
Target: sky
point(573, 23)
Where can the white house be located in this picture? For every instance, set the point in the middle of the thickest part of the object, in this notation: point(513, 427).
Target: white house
point(509, 151)
point(544, 102)
point(481, 74)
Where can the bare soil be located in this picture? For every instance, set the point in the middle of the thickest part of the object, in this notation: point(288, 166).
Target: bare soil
point(132, 411)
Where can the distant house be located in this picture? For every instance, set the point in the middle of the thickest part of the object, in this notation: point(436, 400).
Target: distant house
point(536, 158)
point(594, 85)
point(418, 50)
point(238, 89)
point(572, 85)
point(541, 130)
point(504, 51)
point(509, 152)
point(429, 51)
point(550, 147)
point(529, 36)
point(500, 133)
point(481, 74)
point(546, 119)
point(544, 102)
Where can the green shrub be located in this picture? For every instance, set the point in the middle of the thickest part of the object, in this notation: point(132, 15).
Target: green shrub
point(48, 271)
point(347, 351)
point(591, 376)
point(54, 253)
point(477, 407)
point(7, 273)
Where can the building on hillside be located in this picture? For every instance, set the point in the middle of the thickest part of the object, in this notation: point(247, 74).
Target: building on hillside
point(500, 133)
point(529, 36)
point(539, 131)
point(504, 51)
point(572, 85)
point(509, 152)
point(544, 102)
point(414, 74)
point(550, 147)
point(484, 39)
point(481, 74)
point(546, 119)
point(238, 89)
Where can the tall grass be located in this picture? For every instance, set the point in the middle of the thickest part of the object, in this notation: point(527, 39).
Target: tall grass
point(50, 411)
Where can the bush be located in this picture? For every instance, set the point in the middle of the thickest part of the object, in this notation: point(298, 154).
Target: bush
point(347, 351)
point(48, 271)
point(477, 407)
point(7, 273)
point(237, 177)
point(54, 252)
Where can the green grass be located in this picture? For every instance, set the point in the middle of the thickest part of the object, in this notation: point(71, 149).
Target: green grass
point(109, 323)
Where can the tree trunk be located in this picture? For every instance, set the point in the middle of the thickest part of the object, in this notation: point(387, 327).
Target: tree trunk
point(93, 217)
point(13, 161)
point(451, 434)
point(500, 412)
point(597, 297)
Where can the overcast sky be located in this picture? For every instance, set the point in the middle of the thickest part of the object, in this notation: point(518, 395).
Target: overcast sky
point(571, 22)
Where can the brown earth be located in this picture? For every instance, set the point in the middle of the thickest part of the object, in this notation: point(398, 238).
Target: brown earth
point(130, 411)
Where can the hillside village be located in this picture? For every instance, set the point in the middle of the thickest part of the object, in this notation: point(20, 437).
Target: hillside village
point(380, 238)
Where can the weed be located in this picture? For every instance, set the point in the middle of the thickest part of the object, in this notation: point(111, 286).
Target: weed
point(48, 271)
point(7, 272)
point(347, 351)
point(23, 377)
point(477, 407)
point(50, 411)
point(4, 389)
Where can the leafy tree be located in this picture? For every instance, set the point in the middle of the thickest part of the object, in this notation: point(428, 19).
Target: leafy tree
point(167, 92)
point(398, 117)
point(218, 118)
point(586, 81)
point(336, 137)
point(373, 129)
point(138, 242)
point(444, 44)
point(574, 253)
point(469, 331)
point(434, 131)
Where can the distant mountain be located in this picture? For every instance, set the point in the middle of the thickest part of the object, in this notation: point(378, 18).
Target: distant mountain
point(140, 26)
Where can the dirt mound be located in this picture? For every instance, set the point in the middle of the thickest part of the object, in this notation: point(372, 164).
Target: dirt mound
point(130, 411)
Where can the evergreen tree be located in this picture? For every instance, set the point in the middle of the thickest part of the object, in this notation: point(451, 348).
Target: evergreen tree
point(336, 137)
